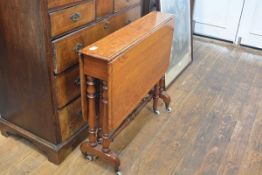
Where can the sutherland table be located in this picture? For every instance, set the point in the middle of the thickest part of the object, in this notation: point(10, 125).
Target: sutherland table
point(117, 72)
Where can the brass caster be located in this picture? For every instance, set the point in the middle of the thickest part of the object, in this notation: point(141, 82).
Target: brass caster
point(169, 109)
point(118, 173)
point(99, 141)
point(90, 157)
point(157, 112)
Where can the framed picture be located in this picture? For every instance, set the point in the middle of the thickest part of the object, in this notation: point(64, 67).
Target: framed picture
point(182, 50)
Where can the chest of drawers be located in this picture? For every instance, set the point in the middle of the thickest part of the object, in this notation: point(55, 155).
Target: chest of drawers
point(39, 74)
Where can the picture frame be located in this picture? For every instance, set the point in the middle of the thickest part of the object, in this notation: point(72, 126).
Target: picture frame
point(182, 50)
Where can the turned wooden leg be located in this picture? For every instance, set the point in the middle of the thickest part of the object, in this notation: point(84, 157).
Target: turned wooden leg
point(156, 98)
point(103, 150)
point(105, 130)
point(91, 90)
point(100, 119)
point(163, 95)
point(104, 110)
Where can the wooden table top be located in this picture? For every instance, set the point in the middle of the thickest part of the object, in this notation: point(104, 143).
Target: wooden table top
point(110, 47)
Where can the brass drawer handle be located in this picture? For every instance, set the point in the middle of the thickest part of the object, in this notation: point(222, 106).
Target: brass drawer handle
point(78, 47)
point(107, 25)
point(77, 82)
point(75, 17)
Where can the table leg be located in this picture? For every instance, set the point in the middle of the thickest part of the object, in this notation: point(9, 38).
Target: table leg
point(163, 95)
point(91, 148)
point(91, 90)
point(100, 118)
point(105, 136)
point(104, 114)
point(156, 98)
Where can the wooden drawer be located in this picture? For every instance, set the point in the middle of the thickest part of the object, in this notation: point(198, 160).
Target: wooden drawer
point(65, 20)
point(59, 3)
point(67, 87)
point(125, 18)
point(70, 119)
point(120, 4)
point(104, 8)
point(66, 49)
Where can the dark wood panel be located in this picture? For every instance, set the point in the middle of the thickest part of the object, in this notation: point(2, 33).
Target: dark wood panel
point(25, 88)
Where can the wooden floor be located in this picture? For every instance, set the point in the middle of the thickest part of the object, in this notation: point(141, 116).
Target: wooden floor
point(215, 126)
